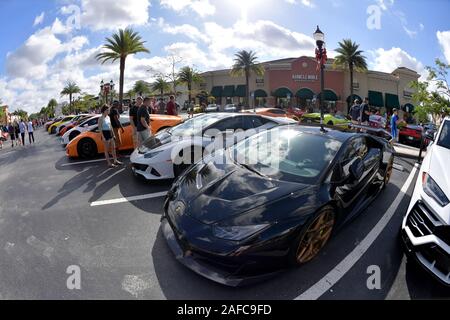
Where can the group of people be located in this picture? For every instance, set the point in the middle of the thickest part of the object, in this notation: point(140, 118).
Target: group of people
point(17, 131)
point(360, 114)
point(111, 127)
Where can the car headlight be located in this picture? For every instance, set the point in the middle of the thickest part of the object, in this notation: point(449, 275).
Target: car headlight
point(433, 190)
point(237, 233)
point(150, 155)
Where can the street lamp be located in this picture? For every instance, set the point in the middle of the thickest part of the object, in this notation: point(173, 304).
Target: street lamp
point(321, 57)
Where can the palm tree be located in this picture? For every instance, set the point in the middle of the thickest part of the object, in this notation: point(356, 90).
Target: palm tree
point(351, 58)
point(245, 62)
point(189, 76)
point(160, 85)
point(130, 94)
point(141, 88)
point(70, 89)
point(119, 47)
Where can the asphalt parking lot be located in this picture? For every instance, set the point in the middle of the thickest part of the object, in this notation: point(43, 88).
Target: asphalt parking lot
point(56, 212)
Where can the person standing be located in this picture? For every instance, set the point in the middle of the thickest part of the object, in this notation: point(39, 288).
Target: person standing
point(161, 106)
point(355, 112)
point(22, 128)
point(134, 119)
point(30, 130)
point(117, 128)
point(143, 125)
point(365, 112)
point(107, 137)
point(394, 125)
point(171, 107)
point(12, 134)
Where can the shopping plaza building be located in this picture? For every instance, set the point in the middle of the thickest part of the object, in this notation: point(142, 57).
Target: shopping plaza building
point(296, 82)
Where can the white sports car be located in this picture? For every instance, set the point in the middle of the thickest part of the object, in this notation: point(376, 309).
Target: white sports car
point(161, 156)
point(86, 125)
point(426, 226)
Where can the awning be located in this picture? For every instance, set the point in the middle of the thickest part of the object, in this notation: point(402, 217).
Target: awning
point(376, 99)
point(228, 91)
point(408, 107)
point(241, 91)
point(392, 101)
point(217, 92)
point(351, 99)
point(329, 96)
point(260, 93)
point(282, 93)
point(305, 93)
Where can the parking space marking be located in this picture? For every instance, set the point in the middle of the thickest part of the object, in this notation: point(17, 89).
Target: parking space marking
point(330, 279)
point(129, 199)
point(87, 162)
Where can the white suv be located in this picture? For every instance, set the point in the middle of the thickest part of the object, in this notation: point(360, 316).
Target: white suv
point(426, 226)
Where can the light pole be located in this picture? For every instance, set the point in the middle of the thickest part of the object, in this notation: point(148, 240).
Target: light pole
point(111, 86)
point(321, 57)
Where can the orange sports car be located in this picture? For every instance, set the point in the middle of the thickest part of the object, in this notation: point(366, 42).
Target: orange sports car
point(89, 144)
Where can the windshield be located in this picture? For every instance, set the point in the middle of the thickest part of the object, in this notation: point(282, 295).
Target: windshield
point(287, 154)
point(444, 137)
point(195, 125)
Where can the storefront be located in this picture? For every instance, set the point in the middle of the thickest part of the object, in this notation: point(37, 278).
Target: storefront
point(296, 82)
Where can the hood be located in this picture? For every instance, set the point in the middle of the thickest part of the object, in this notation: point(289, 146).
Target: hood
point(214, 192)
point(156, 142)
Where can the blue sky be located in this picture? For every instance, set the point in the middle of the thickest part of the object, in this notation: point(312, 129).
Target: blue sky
point(46, 42)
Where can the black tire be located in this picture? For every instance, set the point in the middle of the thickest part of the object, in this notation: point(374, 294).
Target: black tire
point(53, 131)
point(302, 242)
point(330, 123)
point(73, 135)
point(87, 148)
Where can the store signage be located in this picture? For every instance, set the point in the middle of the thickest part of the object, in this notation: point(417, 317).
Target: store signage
point(305, 77)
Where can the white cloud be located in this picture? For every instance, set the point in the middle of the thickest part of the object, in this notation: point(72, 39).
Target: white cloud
point(410, 33)
point(389, 60)
point(444, 41)
point(111, 15)
point(186, 29)
point(39, 19)
point(202, 7)
point(306, 3)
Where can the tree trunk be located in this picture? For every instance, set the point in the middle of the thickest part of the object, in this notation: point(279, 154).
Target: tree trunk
point(351, 85)
point(247, 89)
point(121, 83)
point(70, 103)
point(189, 91)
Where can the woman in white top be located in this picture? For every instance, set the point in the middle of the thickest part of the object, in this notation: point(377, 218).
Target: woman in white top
point(104, 126)
point(30, 130)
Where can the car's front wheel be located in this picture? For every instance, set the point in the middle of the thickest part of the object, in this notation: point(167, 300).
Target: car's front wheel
point(87, 148)
point(314, 237)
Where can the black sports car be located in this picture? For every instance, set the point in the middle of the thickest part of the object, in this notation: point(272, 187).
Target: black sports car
point(272, 200)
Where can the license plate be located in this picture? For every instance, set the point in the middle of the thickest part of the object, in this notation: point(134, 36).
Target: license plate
point(410, 138)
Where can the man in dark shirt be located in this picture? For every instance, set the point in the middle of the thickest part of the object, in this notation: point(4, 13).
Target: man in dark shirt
point(114, 116)
point(134, 119)
point(143, 124)
point(365, 112)
point(355, 112)
point(171, 107)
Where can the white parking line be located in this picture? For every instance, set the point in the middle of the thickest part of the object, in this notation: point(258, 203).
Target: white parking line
point(87, 162)
point(330, 279)
point(129, 199)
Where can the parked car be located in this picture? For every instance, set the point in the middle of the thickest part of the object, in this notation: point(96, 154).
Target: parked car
point(410, 134)
point(426, 226)
point(329, 119)
point(52, 127)
point(88, 144)
point(230, 108)
point(212, 108)
point(74, 123)
point(86, 125)
point(155, 159)
point(272, 112)
point(295, 113)
point(198, 109)
point(240, 222)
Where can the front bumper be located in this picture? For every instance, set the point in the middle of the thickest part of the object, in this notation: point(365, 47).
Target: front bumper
point(203, 266)
point(421, 242)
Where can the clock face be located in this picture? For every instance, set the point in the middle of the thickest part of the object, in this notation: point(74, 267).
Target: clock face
point(304, 65)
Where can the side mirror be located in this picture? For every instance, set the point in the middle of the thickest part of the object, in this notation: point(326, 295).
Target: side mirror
point(357, 169)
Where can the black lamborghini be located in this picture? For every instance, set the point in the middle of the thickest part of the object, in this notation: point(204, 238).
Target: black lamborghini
point(272, 200)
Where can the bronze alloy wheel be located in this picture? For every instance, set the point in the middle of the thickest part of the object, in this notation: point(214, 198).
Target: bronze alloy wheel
point(388, 174)
point(315, 238)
